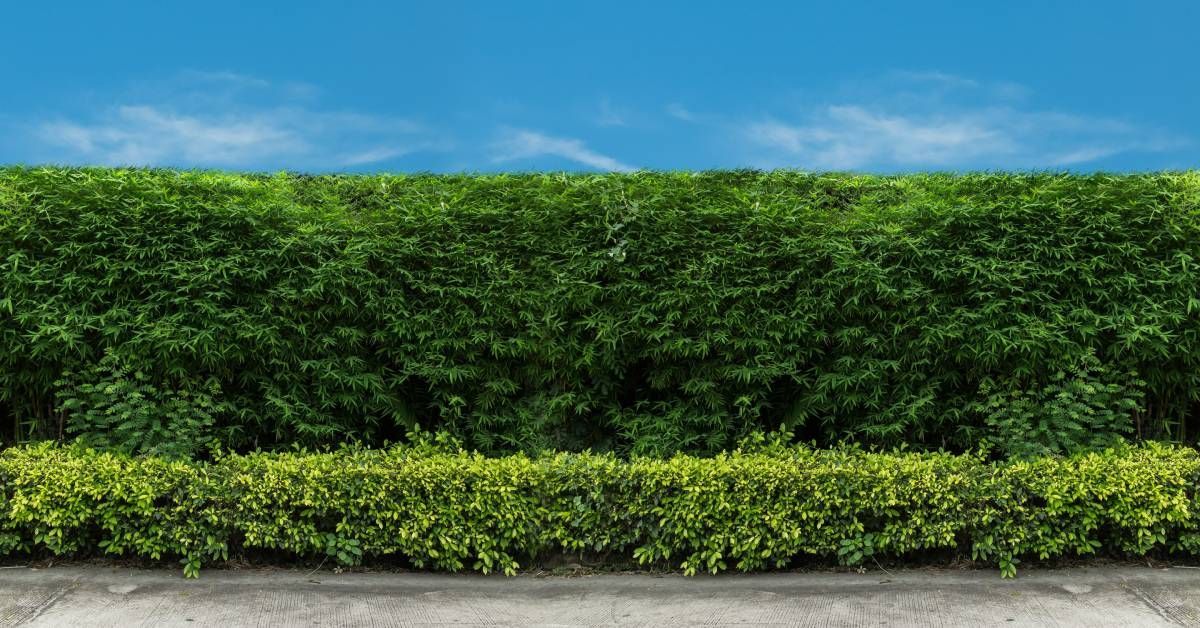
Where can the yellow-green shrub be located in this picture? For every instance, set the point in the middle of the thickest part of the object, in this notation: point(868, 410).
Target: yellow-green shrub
point(748, 510)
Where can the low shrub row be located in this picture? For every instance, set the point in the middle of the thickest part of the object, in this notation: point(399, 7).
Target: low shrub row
point(646, 313)
point(760, 507)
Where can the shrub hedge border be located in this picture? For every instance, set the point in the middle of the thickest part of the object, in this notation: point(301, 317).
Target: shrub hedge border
point(752, 509)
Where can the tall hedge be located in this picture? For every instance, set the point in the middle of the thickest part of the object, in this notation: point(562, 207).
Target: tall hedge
point(646, 312)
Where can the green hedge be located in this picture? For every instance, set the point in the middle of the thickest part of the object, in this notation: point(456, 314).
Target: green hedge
point(749, 510)
point(643, 313)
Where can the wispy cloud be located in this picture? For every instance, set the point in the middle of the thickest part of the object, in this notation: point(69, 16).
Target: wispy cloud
point(939, 120)
point(225, 129)
point(611, 115)
point(933, 76)
point(679, 112)
point(894, 121)
point(851, 136)
point(222, 76)
point(515, 144)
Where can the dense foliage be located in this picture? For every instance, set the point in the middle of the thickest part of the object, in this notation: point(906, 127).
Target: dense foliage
point(753, 509)
point(1089, 407)
point(644, 313)
point(114, 406)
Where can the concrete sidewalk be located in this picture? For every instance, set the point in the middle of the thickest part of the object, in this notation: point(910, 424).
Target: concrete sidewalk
point(95, 596)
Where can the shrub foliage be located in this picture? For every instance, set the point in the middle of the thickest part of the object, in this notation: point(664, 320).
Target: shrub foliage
point(647, 313)
point(753, 509)
point(114, 406)
point(1087, 408)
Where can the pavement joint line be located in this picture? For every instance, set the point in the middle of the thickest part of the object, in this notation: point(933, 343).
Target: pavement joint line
point(50, 601)
point(1168, 613)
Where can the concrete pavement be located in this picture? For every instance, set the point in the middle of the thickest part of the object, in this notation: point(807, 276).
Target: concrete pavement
point(106, 596)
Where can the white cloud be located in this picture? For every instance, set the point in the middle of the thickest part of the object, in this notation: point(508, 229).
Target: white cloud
point(371, 155)
point(679, 112)
point(1082, 155)
point(852, 136)
point(223, 76)
point(174, 129)
point(517, 144)
point(146, 135)
point(934, 76)
point(923, 129)
point(611, 115)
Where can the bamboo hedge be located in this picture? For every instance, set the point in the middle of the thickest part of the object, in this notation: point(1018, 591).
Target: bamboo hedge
point(641, 313)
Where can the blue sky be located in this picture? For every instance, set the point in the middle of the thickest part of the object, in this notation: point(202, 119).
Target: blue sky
point(506, 86)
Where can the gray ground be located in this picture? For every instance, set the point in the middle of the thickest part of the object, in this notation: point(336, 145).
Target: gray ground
point(106, 596)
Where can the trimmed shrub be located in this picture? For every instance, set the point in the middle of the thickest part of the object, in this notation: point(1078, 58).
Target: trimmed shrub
point(763, 507)
point(644, 313)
